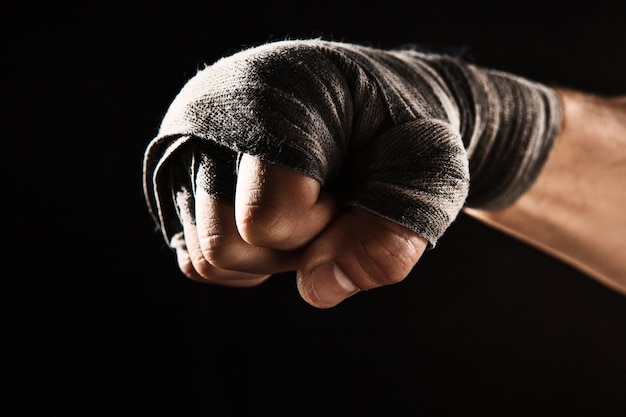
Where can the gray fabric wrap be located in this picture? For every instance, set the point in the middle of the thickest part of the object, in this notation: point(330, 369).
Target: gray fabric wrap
point(410, 136)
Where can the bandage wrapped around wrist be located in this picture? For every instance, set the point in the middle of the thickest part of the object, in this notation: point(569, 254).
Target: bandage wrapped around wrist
point(411, 136)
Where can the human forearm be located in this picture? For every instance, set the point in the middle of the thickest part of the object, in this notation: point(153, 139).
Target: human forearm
point(575, 210)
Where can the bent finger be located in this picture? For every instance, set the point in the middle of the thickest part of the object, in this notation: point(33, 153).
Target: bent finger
point(279, 208)
point(191, 259)
point(187, 268)
point(223, 247)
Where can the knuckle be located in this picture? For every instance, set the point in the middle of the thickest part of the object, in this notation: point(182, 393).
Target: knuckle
point(266, 225)
point(219, 250)
point(204, 269)
point(388, 259)
point(196, 270)
point(387, 268)
point(186, 267)
point(196, 267)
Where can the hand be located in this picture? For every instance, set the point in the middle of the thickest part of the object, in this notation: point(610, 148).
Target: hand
point(283, 221)
point(404, 130)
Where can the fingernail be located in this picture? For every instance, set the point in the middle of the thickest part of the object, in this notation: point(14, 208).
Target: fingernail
point(330, 285)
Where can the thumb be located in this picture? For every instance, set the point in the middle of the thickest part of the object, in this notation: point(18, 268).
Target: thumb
point(359, 251)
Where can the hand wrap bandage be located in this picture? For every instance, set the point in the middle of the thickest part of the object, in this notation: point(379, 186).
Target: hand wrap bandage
point(410, 136)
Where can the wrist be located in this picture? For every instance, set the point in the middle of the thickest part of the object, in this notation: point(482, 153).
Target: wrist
point(517, 122)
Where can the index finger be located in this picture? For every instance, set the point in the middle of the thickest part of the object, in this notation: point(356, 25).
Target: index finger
point(277, 207)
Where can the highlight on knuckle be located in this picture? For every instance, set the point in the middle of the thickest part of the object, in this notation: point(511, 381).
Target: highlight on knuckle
point(265, 225)
point(219, 251)
point(203, 268)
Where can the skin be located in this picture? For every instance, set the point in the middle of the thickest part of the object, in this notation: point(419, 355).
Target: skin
point(283, 221)
point(576, 210)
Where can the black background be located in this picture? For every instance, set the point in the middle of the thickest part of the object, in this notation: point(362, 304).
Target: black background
point(97, 319)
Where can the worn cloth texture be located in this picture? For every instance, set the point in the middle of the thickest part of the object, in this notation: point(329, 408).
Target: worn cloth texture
point(409, 135)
